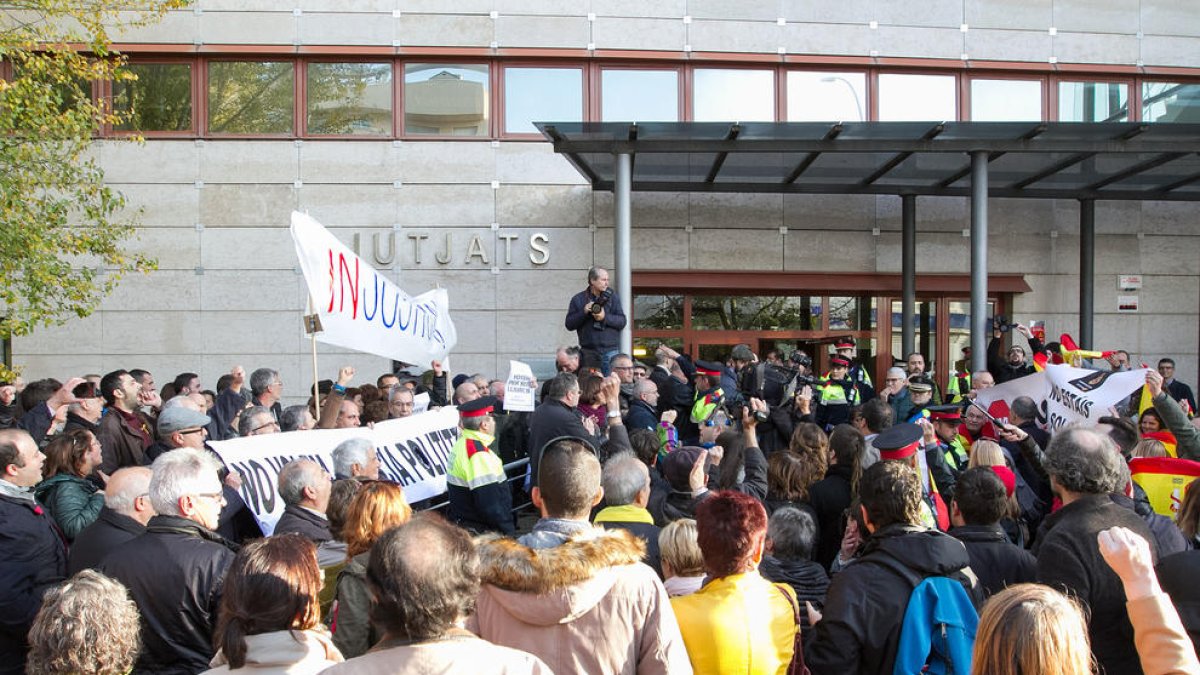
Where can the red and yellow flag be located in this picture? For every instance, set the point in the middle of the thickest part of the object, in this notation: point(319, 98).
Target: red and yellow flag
point(1164, 479)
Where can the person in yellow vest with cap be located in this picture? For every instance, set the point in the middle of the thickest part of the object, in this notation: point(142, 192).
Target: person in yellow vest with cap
point(846, 348)
point(709, 395)
point(480, 499)
point(836, 395)
point(955, 449)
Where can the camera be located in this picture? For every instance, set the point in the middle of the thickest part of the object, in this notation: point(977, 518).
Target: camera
point(806, 381)
point(597, 306)
point(736, 411)
point(1002, 324)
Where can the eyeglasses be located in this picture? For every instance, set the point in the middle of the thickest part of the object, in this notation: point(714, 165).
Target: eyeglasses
point(192, 431)
point(215, 496)
point(622, 367)
point(257, 429)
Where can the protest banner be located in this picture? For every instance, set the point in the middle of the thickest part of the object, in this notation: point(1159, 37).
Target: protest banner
point(413, 451)
point(1164, 479)
point(362, 310)
point(518, 388)
point(1066, 395)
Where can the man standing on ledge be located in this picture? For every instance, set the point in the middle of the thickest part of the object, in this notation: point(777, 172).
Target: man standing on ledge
point(595, 313)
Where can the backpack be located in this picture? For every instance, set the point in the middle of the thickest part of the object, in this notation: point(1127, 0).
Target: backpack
point(940, 621)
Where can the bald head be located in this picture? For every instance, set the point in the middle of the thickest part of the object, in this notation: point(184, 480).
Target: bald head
point(127, 493)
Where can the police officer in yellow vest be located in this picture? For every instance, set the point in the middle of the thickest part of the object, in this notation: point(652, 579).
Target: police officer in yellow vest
point(946, 419)
point(709, 395)
point(480, 499)
point(845, 347)
point(836, 395)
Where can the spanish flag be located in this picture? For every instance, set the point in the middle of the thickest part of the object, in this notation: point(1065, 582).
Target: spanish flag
point(1164, 479)
point(1166, 438)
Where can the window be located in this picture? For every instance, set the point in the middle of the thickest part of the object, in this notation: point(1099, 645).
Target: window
point(733, 95)
point(1093, 102)
point(639, 96)
point(826, 97)
point(446, 99)
point(349, 99)
point(770, 312)
point(160, 99)
point(851, 313)
point(658, 312)
point(917, 98)
point(251, 97)
point(541, 95)
point(1170, 102)
point(1006, 100)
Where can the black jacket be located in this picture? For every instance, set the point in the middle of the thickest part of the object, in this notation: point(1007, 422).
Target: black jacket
point(75, 421)
point(1178, 574)
point(550, 420)
point(302, 521)
point(601, 336)
point(33, 558)
point(177, 595)
point(648, 533)
point(1181, 392)
point(110, 531)
point(830, 497)
point(37, 422)
point(1069, 559)
point(994, 559)
point(865, 603)
point(807, 577)
point(641, 416)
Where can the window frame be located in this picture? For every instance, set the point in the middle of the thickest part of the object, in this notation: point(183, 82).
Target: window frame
point(501, 93)
point(867, 109)
point(877, 98)
point(777, 89)
point(298, 105)
point(494, 108)
point(1133, 84)
point(302, 98)
point(965, 94)
point(596, 110)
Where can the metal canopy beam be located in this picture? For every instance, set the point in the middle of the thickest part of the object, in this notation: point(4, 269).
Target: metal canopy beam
point(1135, 170)
point(1057, 167)
point(920, 190)
point(798, 145)
point(1175, 185)
point(720, 160)
point(899, 158)
point(833, 133)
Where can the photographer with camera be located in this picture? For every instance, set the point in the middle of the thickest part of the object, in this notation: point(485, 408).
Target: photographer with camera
point(1017, 364)
point(595, 313)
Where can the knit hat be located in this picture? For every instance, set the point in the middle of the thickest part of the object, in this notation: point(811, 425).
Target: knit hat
point(677, 466)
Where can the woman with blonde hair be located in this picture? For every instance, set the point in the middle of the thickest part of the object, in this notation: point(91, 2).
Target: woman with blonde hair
point(270, 615)
point(682, 561)
point(1003, 644)
point(87, 625)
point(1149, 447)
point(377, 508)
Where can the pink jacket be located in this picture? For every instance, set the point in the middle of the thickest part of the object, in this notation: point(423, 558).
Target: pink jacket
point(586, 606)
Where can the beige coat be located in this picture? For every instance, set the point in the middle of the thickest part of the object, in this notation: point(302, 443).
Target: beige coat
point(586, 606)
point(283, 652)
point(458, 652)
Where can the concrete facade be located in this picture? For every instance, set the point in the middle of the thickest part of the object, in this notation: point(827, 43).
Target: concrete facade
point(215, 212)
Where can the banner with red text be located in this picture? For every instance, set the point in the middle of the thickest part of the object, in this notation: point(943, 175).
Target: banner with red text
point(1065, 395)
point(360, 309)
point(413, 451)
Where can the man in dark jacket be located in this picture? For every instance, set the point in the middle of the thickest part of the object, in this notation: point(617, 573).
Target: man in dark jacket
point(174, 570)
point(1085, 467)
point(125, 433)
point(33, 557)
point(304, 488)
point(556, 416)
point(126, 511)
point(980, 502)
point(643, 410)
point(865, 605)
point(791, 542)
point(595, 313)
point(626, 482)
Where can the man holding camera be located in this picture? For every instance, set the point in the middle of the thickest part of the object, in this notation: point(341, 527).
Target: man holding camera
point(1016, 364)
point(595, 314)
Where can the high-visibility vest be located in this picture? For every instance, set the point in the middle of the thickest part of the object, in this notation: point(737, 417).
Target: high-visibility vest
point(472, 463)
point(834, 393)
point(706, 404)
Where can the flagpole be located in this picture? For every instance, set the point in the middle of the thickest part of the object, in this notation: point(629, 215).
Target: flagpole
point(312, 331)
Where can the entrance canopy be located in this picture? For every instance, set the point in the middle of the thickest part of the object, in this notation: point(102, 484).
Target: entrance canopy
point(1056, 160)
point(1085, 161)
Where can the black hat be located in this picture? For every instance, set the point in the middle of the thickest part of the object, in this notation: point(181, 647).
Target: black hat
point(945, 413)
point(899, 441)
point(920, 383)
point(846, 342)
point(711, 368)
point(677, 466)
point(839, 362)
point(477, 408)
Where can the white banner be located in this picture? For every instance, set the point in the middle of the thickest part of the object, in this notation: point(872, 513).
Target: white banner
point(414, 452)
point(362, 310)
point(1065, 395)
point(518, 388)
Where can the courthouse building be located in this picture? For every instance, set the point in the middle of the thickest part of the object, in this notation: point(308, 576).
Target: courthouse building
point(407, 128)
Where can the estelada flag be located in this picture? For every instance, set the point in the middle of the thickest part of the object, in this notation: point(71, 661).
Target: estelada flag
point(1164, 479)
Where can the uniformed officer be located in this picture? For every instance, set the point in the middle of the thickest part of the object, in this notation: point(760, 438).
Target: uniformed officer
point(480, 499)
point(836, 395)
point(709, 395)
point(946, 420)
point(920, 395)
point(906, 442)
point(846, 348)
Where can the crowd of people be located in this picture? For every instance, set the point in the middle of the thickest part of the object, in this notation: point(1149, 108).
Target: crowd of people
point(746, 516)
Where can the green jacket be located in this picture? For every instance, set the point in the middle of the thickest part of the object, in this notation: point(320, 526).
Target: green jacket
point(73, 502)
point(1187, 438)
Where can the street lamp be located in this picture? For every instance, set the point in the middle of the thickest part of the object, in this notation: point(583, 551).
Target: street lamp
point(853, 93)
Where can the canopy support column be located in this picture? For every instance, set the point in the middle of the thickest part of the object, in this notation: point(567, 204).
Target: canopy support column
point(908, 267)
point(979, 278)
point(1087, 270)
point(622, 193)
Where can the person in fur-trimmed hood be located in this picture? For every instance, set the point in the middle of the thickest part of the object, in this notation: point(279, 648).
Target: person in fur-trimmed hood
point(555, 591)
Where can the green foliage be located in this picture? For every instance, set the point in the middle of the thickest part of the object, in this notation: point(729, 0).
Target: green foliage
point(62, 230)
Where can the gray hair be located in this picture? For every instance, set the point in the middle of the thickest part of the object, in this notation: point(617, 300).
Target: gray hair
point(643, 386)
point(623, 478)
point(131, 483)
point(246, 420)
point(179, 401)
point(350, 452)
point(560, 385)
point(292, 417)
point(895, 371)
point(1084, 461)
point(399, 389)
point(473, 423)
point(793, 533)
point(1024, 407)
point(261, 379)
point(295, 476)
point(180, 472)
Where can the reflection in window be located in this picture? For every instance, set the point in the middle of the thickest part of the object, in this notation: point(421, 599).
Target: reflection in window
point(541, 95)
point(446, 100)
point(1093, 102)
point(917, 98)
point(733, 95)
point(772, 312)
point(851, 313)
point(639, 96)
point(160, 99)
point(826, 97)
point(960, 331)
point(249, 97)
point(926, 327)
point(1006, 100)
point(658, 312)
point(1170, 102)
point(350, 99)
